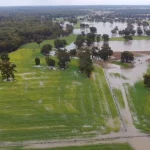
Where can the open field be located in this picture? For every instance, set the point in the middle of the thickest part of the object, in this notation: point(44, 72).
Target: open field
point(134, 38)
point(46, 104)
point(90, 147)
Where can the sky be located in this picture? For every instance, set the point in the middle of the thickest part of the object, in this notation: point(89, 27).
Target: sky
point(72, 2)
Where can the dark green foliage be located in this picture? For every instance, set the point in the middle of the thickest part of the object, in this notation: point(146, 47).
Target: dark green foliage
point(93, 30)
point(105, 52)
point(4, 56)
point(73, 52)
point(85, 63)
point(79, 41)
point(139, 31)
point(60, 43)
point(147, 80)
point(105, 37)
point(38, 42)
point(98, 37)
point(37, 61)
point(50, 62)
point(127, 56)
point(46, 49)
point(7, 70)
point(90, 38)
point(128, 38)
point(64, 59)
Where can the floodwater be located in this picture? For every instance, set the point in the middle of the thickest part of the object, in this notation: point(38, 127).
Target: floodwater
point(104, 28)
point(132, 74)
point(120, 46)
point(135, 45)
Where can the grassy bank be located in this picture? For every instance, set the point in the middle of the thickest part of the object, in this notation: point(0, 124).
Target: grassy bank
point(123, 65)
point(71, 38)
point(46, 104)
point(140, 96)
point(134, 38)
point(77, 26)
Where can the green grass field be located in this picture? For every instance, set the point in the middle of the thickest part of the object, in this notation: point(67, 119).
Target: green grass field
point(77, 26)
point(46, 104)
point(71, 38)
point(139, 95)
point(90, 147)
point(134, 38)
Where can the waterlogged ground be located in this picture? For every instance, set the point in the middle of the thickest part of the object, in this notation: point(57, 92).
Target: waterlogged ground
point(49, 104)
point(131, 93)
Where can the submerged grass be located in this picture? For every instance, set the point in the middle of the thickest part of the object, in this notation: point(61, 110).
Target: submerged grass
point(123, 65)
point(119, 97)
point(140, 96)
point(118, 75)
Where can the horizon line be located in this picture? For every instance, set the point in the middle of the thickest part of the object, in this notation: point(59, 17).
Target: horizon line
point(75, 5)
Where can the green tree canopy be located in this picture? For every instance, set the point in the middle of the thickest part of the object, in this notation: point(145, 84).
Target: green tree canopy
point(127, 56)
point(46, 49)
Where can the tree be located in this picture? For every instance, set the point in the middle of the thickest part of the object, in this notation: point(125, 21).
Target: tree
point(128, 37)
point(127, 56)
point(93, 30)
point(39, 42)
point(105, 37)
point(64, 59)
point(147, 80)
point(73, 52)
point(37, 61)
point(7, 70)
point(139, 31)
point(50, 62)
point(4, 56)
point(79, 41)
point(46, 49)
point(105, 52)
point(98, 37)
point(60, 43)
point(85, 63)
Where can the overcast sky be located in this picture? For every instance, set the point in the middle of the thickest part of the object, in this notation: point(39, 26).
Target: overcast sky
point(72, 2)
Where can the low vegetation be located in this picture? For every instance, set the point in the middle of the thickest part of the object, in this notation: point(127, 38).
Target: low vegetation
point(49, 104)
point(140, 97)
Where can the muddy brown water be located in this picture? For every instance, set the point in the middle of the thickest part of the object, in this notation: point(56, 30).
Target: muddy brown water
point(120, 46)
point(104, 28)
